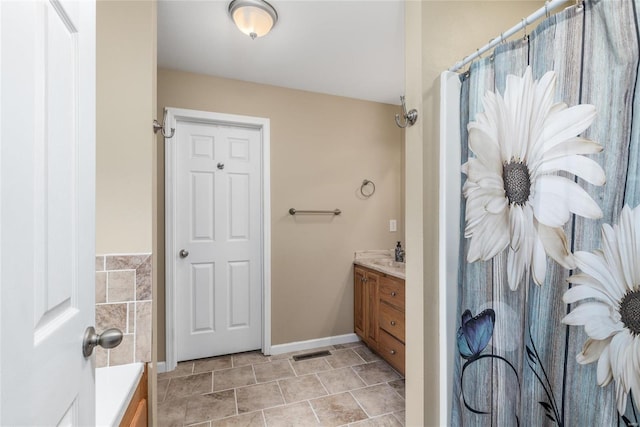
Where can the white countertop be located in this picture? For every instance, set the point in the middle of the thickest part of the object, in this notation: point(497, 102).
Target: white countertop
point(381, 260)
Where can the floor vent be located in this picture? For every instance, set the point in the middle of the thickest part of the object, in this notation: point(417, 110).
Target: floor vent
point(313, 355)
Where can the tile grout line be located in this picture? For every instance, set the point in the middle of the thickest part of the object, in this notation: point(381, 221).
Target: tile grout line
point(358, 403)
point(322, 384)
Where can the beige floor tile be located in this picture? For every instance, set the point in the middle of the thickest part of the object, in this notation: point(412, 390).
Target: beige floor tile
point(248, 358)
point(205, 424)
point(339, 380)
point(301, 388)
point(189, 385)
point(383, 421)
point(210, 406)
point(343, 358)
point(296, 415)
point(311, 366)
point(171, 414)
point(183, 368)
point(260, 396)
point(337, 410)
point(378, 399)
point(349, 345)
point(163, 385)
point(212, 364)
point(272, 371)
point(252, 419)
point(398, 386)
point(376, 373)
point(400, 416)
point(366, 354)
point(232, 378)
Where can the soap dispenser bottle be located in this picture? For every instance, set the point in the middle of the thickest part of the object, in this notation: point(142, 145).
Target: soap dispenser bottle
point(399, 253)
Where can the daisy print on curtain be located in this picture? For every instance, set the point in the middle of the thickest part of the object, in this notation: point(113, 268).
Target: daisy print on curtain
point(608, 289)
point(515, 198)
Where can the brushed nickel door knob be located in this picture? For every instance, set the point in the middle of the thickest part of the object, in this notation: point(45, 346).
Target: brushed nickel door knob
point(108, 339)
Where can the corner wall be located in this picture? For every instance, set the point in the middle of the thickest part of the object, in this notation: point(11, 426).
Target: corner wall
point(126, 66)
point(322, 148)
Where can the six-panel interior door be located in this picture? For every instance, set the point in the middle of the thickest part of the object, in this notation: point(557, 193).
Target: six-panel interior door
point(218, 222)
point(47, 220)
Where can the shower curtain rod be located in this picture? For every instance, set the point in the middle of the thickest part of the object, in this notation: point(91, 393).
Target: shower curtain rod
point(548, 7)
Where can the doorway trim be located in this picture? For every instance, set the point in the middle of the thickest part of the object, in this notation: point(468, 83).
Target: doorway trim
point(174, 115)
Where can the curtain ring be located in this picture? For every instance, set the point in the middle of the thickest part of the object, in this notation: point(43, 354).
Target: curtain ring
point(524, 25)
point(369, 193)
point(546, 8)
point(501, 37)
point(478, 53)
point(579, 4)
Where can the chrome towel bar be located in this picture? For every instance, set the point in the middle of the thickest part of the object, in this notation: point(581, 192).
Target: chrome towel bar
point(293, 211)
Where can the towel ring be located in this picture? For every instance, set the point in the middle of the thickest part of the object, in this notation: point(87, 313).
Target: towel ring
point(365, 183)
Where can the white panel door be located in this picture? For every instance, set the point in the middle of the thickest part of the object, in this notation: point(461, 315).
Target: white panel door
point(47, 214)
point(218, 222)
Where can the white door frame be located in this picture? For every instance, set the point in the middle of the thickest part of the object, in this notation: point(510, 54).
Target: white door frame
point(263, 125)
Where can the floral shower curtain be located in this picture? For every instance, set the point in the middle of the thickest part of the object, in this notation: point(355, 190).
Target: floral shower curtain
point(549, 273)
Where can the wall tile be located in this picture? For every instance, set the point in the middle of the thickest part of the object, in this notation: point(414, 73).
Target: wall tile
point(111, 316)
point(99, 263)
point(124, 262)
point(123, 301)
point(131, 318)
point(101, 287)
point(143, 280)
point(120, 285)
point(143, 331)
point(123, 353)
point(102, 357)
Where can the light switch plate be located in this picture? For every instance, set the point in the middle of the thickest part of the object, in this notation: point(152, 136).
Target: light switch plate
point(393, 225)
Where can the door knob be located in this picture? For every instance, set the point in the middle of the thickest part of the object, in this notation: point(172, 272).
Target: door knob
point(184, 253)
point(220, 166)
point(108, 339)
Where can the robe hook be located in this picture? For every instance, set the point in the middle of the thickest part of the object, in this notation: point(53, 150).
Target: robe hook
point(157, 126)
point(410, 117)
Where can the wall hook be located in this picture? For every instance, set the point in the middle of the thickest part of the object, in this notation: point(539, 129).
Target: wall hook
point(410, 118)
point(157, 126)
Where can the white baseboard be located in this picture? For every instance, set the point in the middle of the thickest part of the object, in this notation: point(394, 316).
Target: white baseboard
point(295, 346)
point(310, 344)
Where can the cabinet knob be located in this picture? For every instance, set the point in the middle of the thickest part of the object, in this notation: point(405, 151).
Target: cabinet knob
point(393, 323)
point(392, 352)
point(393, 294)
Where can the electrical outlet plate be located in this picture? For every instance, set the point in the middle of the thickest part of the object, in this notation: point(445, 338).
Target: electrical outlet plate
point(393, 225)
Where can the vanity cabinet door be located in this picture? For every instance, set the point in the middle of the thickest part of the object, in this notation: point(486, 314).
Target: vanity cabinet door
point(365, 305)
point(372, 282)
point(359, 302)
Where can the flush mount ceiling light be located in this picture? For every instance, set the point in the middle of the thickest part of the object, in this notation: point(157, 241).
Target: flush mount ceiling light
point(255, 18)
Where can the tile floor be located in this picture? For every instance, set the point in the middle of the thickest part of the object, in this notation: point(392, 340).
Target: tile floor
point(351, 387)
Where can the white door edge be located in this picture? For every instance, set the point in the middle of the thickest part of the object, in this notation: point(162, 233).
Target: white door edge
point(263, 124)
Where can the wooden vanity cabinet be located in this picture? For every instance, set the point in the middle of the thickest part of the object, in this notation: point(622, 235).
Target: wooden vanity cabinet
point(366, 305)
point(379, 314)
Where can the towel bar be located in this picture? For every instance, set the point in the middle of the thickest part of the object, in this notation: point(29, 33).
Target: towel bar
point(293, 211)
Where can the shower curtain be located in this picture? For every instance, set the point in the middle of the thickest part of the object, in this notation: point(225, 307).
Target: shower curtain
point(533, 299)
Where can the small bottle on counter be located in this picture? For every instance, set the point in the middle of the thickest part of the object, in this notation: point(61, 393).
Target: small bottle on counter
point(399, 253)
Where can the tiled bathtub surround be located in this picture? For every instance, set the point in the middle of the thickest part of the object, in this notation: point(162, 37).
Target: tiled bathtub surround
point(123, 301)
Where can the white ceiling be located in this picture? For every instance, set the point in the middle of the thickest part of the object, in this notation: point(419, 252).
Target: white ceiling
point(349, 48)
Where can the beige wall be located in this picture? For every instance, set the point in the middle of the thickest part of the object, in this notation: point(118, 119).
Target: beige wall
point(444, 33)
point(125, 96)
point(322, 148)
point(126, 67)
